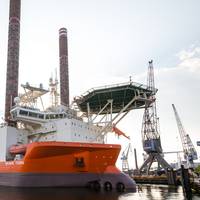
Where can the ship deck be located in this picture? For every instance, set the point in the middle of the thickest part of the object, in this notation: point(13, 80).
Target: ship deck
point(120, 94)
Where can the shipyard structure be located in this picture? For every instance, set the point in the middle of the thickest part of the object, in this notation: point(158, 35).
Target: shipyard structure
point(63, 145)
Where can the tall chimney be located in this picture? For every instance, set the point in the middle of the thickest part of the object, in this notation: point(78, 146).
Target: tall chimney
point(13, 56)
point(135, 154)
point(64, 78)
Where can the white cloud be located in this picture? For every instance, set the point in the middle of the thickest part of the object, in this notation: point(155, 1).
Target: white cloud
point(190, 59)
point(191, 64)
point(189, 53)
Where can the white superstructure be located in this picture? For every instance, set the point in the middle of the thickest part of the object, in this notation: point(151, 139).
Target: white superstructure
point(57, 123)
point(54, 126)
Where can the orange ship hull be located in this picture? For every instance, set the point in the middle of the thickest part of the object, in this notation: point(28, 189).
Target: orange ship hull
point(64, 164)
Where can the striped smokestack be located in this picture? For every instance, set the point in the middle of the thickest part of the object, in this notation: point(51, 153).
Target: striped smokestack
point(13, 56)
point(64, 78)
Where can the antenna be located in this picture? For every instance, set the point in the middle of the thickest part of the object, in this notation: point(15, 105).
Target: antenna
point(53, 87)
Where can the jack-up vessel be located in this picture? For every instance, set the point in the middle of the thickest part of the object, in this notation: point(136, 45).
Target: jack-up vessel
point(63, 145)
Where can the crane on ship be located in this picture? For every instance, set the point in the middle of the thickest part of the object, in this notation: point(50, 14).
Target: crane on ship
point(189, 150)
point(124, 158)
point(150, 130)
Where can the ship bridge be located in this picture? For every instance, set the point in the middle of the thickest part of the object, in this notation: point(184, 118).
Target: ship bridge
point(106, 106)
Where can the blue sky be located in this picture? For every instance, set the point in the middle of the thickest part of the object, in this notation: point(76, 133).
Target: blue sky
point(110, 40)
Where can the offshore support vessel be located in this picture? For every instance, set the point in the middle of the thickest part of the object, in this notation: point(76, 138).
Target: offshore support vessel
point(58, 147)
point(62, 145)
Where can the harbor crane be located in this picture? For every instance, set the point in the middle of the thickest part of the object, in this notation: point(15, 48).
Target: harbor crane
point(150, 130)
point(124, 158)
point(190, 153)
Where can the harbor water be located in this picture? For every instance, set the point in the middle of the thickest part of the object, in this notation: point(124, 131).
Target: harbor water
point(145, 192)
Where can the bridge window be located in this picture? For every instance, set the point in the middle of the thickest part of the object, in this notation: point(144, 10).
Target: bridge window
point(23, 112)
point(52, 116)
point(32, 114)
point(41, 116)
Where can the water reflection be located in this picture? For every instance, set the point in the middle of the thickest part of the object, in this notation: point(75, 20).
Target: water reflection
point(7, 193)
point(160, 192)
point(145, 192)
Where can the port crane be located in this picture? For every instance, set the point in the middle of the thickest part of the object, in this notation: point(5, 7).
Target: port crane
point(124, 158)
point(190, 153)
point(150, 130)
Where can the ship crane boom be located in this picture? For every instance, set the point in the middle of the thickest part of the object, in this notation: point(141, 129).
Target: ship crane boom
point(189, 150)
point(124, 158)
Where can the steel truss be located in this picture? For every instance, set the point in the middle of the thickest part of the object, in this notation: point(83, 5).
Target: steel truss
point(150, 131)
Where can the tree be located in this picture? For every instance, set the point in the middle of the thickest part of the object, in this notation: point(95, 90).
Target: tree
point(197, 170)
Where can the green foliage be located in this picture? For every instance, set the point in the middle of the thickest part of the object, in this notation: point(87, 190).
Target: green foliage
point(197, 169)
